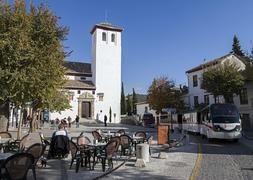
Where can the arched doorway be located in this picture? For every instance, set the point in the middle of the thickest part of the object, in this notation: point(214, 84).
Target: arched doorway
point(86, 109)
point(86, 105)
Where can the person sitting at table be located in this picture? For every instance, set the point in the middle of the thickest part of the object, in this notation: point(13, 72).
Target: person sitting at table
point(61, 131)
point(59, 146)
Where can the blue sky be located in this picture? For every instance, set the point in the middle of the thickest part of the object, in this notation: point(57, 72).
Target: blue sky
point(160, 37)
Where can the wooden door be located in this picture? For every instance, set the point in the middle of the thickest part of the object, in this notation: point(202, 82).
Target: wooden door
point(86, 109)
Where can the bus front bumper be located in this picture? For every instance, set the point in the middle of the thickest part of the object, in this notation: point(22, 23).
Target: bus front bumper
point(225, 135)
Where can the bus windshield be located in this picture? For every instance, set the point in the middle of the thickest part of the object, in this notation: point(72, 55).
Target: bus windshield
point(224, 113)
point(224, 119)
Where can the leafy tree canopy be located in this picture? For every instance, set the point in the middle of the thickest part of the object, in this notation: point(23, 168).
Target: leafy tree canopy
point(31, 54)
point(31, 57)
point(161, 94)
point(225, 80)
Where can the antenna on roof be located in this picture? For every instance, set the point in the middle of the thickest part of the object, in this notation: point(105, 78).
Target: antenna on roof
point(106, 14)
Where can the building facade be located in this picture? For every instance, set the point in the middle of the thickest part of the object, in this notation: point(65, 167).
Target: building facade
point(95, 88)
point(196, 95)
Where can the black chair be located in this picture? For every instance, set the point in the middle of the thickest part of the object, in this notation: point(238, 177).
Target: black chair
point(82, 144)
point(75, 155)
point(121, 132)
point(126, 143)
point(17, 166)
point(18, 145)
point(107, 154)
point(5, 134)
point(97, 136)
point(116, 153)
point(59, 147)
point(141, 134)
point(36, 150)
point(43, 140)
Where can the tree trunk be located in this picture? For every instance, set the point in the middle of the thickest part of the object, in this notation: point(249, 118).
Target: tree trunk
point(38, 120)
point(4, 116)
point(33, 121)
point(20, 124)
point(229, 99)
point(13, 112)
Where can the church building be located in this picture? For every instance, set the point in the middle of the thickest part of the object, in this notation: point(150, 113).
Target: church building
point(95, 89)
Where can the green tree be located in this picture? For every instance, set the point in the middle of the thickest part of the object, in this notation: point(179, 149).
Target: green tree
point(134, 101)
point(248, 72)
point(123, 100)
point(161, 94)
point(110, 114)
point(236, 47)
point(128, 105)
point(31, 57)
point(225, 80)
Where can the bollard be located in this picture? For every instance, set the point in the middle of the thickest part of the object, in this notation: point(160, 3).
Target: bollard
point(142, 152)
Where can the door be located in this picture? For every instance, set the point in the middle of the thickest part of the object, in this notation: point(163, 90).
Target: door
point(86, 109)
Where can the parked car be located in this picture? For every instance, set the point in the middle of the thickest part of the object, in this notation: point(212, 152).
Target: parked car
point(148, 120)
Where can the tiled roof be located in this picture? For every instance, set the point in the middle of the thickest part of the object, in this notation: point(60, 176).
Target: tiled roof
point(77, 67)
point(213, 62)
point(75, 84)
point(106, 26)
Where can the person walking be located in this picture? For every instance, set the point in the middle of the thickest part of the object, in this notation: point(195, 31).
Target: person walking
point(105, 120)
point(77, 121)
point(69, 121)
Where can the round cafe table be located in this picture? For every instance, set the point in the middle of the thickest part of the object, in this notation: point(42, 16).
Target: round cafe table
point(96, 148)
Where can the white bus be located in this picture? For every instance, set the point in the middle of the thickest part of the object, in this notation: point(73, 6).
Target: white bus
point(220, 121)
point(191, 122)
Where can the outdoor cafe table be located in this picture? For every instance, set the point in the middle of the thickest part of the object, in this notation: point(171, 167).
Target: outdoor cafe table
point(108, 135)
point(3, 157)
point(96, 148)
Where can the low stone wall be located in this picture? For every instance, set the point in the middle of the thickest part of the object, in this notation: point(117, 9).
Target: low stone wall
point(130, 120)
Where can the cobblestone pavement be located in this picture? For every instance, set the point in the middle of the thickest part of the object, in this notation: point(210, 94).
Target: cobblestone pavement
point(223, 159)
point(178, 165)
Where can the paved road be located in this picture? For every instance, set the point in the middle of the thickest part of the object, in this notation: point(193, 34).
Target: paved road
point(224, 160)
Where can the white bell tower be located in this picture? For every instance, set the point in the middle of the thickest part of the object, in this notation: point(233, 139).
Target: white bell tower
point(106, 70)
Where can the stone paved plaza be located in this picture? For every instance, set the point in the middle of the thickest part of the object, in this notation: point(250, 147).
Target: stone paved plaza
point(178, 165)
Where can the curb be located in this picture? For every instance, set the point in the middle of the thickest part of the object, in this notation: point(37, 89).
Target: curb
point(247, 137)
point(247, 142)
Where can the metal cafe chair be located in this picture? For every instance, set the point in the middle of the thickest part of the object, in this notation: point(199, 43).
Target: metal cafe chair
point(17, 166)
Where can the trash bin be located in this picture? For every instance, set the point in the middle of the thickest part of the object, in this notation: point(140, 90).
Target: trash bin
point(142, 152)
point(163, 134)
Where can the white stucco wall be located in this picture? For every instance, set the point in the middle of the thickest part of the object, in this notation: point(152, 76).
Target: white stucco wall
point(83, 78)
point(197, 91)
point(140, 109)
point(246, 108)
point(73, 111)
point(106, 69)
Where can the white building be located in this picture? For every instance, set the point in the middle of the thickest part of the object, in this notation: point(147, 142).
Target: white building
point(95, 88)
point(143, 107)
point(196, 95)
